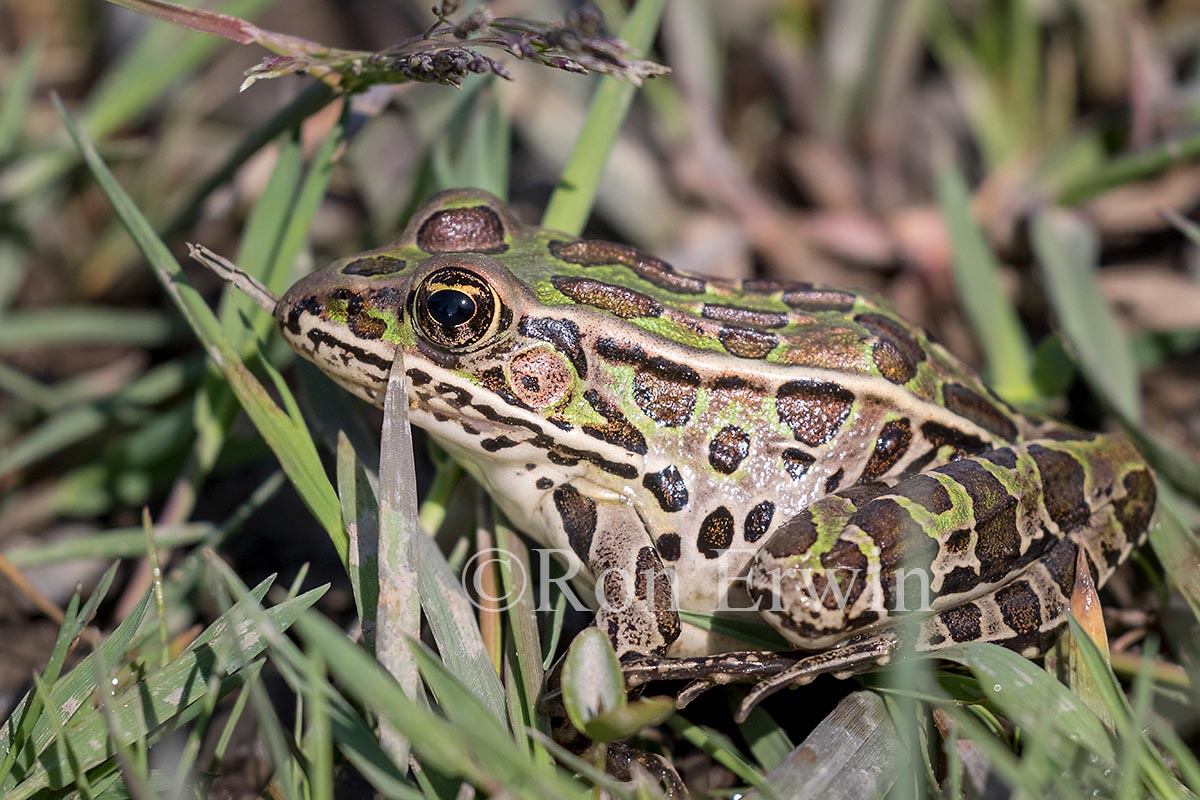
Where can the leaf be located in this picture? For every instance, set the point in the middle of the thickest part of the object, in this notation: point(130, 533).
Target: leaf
point(592, 683)
point(630, 719)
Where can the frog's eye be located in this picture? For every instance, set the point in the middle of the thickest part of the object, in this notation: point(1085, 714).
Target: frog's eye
point(456, 308)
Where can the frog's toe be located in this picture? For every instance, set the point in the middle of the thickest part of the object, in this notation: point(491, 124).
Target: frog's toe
point(626, 763)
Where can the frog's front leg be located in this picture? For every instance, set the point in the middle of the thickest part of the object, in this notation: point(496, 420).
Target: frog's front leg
point(635, 607)
point(634, 593)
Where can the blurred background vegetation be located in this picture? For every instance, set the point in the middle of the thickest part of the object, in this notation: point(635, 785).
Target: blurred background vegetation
point(1016, 176)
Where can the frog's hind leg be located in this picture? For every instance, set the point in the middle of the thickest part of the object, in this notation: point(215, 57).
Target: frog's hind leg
point(1026, 615)
point(768, 671)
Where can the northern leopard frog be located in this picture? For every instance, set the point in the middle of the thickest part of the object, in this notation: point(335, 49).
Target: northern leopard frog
point(761, 439)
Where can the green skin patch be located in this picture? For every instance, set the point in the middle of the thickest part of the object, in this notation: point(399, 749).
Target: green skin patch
point(649, 421)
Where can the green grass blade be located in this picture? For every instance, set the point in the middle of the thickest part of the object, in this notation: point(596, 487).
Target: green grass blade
point(1130, 168)
point(142, 706)
point(112, 544)
point(1177, 547)
point(508, 762)
point(853, 752)
point(572, 200)
point(82, 326)
point(766, 738)
point(524, 676)
point(70, 694)
point(453, 750)
point(451, 618)
point(18, 90)
point(307, 103)
point(475, 150)
point(994, 321)
point(290, 441)
point(1068, 252)
point(1032, 698)
point(398, 615)
point(360, 515)
point(259, 249)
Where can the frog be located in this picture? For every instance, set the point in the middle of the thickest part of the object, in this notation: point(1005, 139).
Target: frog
point(702, 448)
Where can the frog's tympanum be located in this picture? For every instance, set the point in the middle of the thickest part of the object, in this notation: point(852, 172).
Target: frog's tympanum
point(784, 451)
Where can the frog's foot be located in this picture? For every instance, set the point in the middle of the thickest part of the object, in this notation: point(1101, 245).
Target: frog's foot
point(623, 762)
point(706, 672)
point(856, 655)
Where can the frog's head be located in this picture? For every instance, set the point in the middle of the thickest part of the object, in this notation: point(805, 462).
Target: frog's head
point(458, 292)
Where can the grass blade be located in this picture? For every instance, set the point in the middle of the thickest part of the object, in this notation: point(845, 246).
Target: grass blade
point(993, 319)
point(17, 95)
point(289, 440)
point(1067, 252)
point(572, 200)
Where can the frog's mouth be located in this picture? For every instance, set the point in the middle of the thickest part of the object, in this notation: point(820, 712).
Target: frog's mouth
point(348, 333)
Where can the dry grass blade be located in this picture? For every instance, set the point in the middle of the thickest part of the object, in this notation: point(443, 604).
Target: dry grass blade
point(229, 272)
point(447, 53)
point(398, 616)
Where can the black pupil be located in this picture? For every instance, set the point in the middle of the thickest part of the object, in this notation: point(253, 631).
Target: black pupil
point(450, 307)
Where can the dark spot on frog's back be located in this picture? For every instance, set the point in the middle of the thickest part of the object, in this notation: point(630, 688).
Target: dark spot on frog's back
point(814, 410)
point(890, 446)
point(817, 300)
point(758, 521)
point(578, 514)
point(716, 533)
point(794, 537)
point(1062, 487)
point(622, 301)
point(665, 391)
point(985, 489)
point(728, 447)
point(898, 536)
point(978, 409)
point(476, 229)
point(563, 334)
point(668, 546)
point(963, 622)
point(1136, 508)
point(617, 429)
point(926, 491)
point(848, 565)
point(372, 266)
point(896, 353)
point(587, 253)
point(796, 462)
point(998, 543)
point(747, 342)
point(744, 316)
point(940, 435)
point(1020, 607)
point(668, 488)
